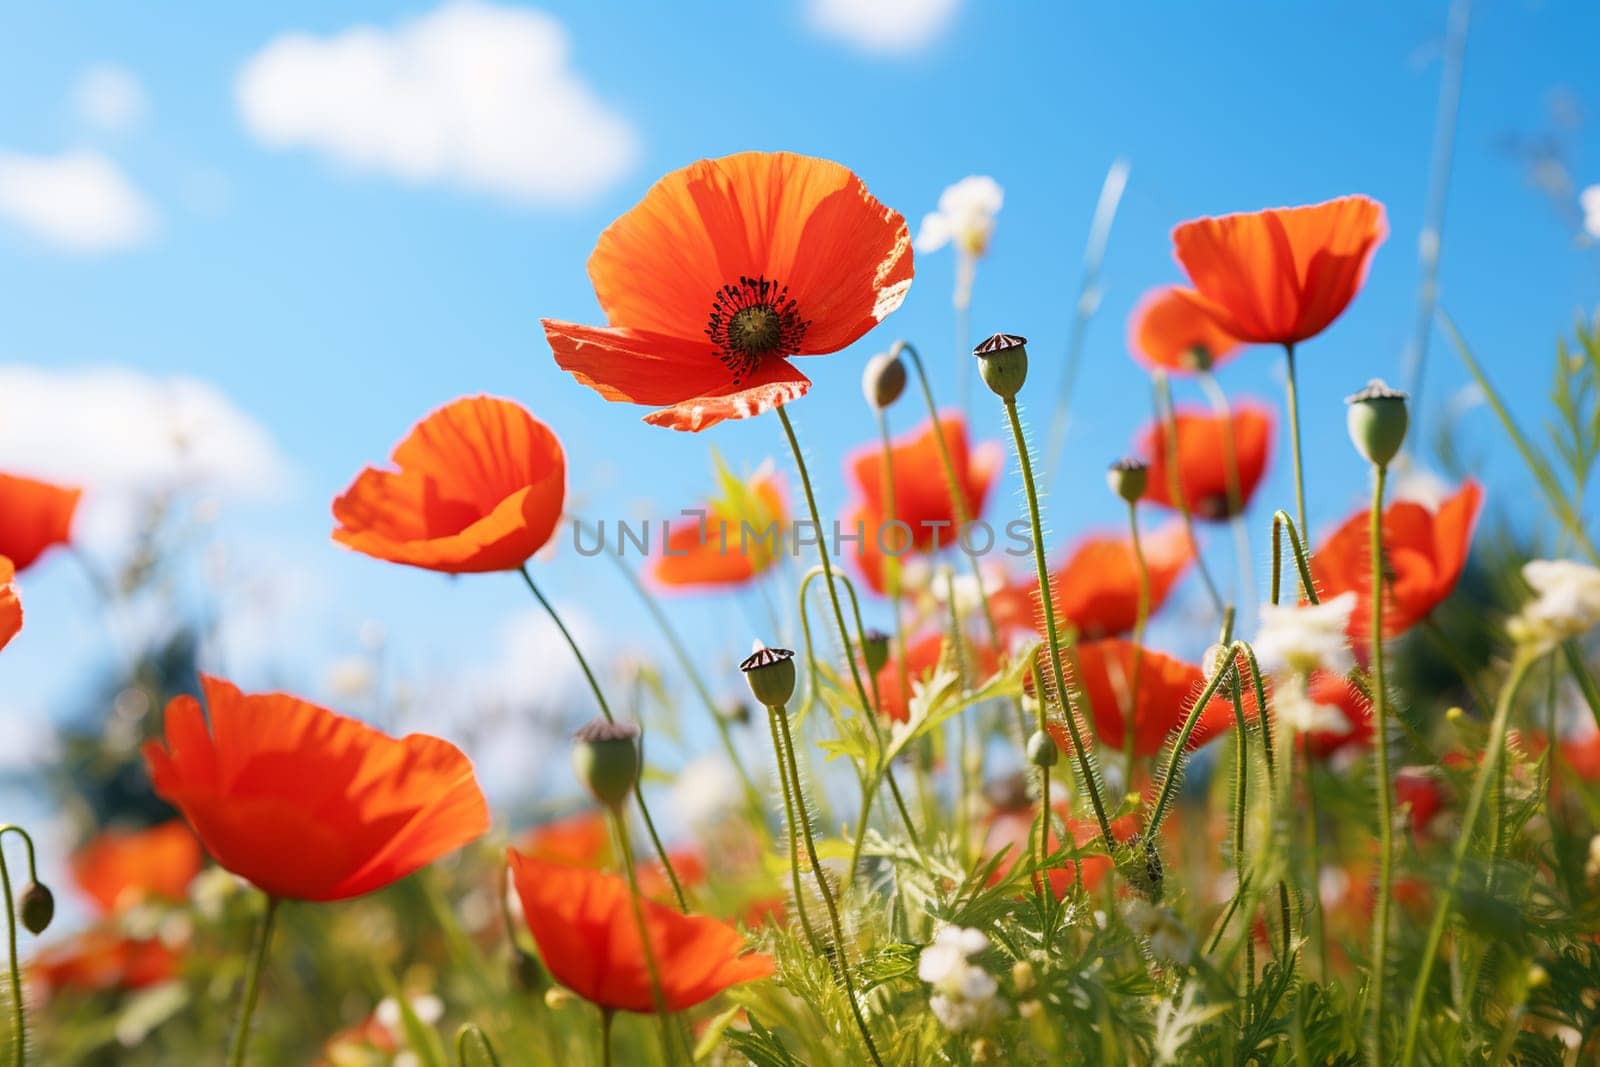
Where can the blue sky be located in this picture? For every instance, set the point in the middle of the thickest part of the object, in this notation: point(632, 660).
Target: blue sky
point(336, 304)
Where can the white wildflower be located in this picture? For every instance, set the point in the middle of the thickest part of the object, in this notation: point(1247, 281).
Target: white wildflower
point(965, 216)
point(1566, 603)
point(1301, 638)
point(1302, 714)
point(963, 995)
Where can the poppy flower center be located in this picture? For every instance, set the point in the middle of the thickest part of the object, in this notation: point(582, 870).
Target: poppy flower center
point(752, 320)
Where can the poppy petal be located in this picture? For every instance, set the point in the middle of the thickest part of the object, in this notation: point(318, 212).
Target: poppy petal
point(772, 384)
point(635, 366)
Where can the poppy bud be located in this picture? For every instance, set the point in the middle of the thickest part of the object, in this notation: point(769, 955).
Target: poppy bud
point(770, 672)
point(37, 908)
point(1003, 362)
point(558, 997)
point(1377, 419)
point(1128, 479)
point(875, 650)
point(1042, 750)
point(1022, 976)
point(606, 757)
point(884, 379)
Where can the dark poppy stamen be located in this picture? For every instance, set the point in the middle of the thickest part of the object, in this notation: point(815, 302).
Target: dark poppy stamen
point(752, 320)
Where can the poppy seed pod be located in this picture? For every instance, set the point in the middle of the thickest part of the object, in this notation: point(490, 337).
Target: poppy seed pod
point(36, 908)
point(1128, 479)
point(606, 757)
point(1378, 418)
point(770, 672)
point(883, 379)
point(1042, 750)
point(875, 650)
point(1003, 362)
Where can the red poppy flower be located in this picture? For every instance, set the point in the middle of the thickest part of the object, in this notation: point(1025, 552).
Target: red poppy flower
point(922, 657)
point(1097, 588)
point(1424, 552)
point(689, 864)
point(724, 270)
point(118, 869)
point(34, 516)
point(1167, 690)
point(10, 606)
point(583, 923)
point(1203, 458)
point(1335, 691)
point(479, 487)
point(921, 494)
point(581, 840)
point(101, 958)
point(1170, 331)
point(307, 804)
point(1014, 828)
point(1282, 275)
point(1584, 756)
point(731, 545)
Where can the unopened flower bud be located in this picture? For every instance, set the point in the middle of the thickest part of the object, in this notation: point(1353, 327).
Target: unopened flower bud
point(770, 672)
point(606, 756)
point(1022, 976)
point(1378, 418)
point(558, 997)
point(883, 379)
point(36, 908)
point(1128, 478)
point(1042, 750)
point(1003, 362)
point(875, 650)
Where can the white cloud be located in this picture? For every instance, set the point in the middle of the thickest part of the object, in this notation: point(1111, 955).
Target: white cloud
point(116, 430)
point(109, 97)
point(469, 95)
point(79, 201)
point(890, 26)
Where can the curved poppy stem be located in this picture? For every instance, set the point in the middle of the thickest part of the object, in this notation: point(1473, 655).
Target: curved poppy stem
point(1140, 618)
point(605, 709)
point(681, 653)
point(1180, 741)
point(471, 1036)
point(1269, 752)
point(958, 508)
point(1085, 758)
point(1167, 417)
point(619, 826)
point(1487, 770)
point(1380, 751)
point(252, 982)
point(1282, 525)
point(1294, 435)
point(868, 706)
point(19, 1018)
point(791, 818)
point(841, 962)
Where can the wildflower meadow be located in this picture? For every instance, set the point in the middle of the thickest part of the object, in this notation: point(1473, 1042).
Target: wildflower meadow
point(1252, 719)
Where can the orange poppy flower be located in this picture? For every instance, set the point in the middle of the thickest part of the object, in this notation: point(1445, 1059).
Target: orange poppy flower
point(34, 516)
point(479, 487)
point(101, 958)
point(1335, 691)
point(921, 494)
point(724, 270)
point(581, 840)
point(118, 869)
point(1170, 331)
point(1203, 458)
point(730, 545)
point(1097, 588)
point(689, 864)
point(1282, 275)
point(10, 606)
point(922, 657)
point(583, 923)
point(1167, 690)
point(1014, 828)
point(307, 804)
point(1424, 552)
